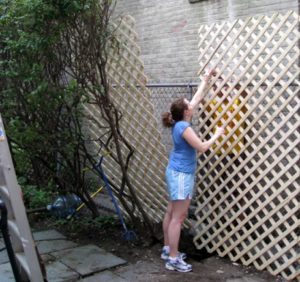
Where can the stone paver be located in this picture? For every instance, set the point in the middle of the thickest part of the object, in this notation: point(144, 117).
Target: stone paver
point(50, 246)
point(6, 274)
point(57, 271)
point(3, 257)
point(88, 259)
point(47, 235)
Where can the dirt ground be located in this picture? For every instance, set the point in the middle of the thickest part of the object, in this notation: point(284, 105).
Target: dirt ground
point(143, 255)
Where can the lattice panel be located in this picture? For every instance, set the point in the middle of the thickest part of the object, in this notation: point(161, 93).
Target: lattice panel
point(248, 185)
point(138, 124)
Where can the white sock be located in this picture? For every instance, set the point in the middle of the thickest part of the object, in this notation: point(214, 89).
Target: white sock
point(166, 248)
point(172, 259)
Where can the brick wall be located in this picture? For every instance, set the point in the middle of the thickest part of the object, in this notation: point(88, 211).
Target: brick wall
point(167, 30)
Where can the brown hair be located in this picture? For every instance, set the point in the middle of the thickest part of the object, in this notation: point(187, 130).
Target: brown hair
point(175, 114)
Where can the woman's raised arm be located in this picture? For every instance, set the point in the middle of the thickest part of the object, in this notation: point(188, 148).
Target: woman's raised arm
point(202, 89)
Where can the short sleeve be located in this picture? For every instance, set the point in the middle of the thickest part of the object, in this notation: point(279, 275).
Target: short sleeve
point(182, 126)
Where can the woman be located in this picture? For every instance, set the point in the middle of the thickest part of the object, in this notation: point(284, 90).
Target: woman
point(180, 173)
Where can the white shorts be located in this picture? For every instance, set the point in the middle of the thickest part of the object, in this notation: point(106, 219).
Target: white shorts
point(180, 184)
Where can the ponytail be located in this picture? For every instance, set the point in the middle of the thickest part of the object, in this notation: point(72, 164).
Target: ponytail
point(167, 120)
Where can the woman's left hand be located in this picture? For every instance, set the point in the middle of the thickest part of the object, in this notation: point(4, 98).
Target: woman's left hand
point(209, 75)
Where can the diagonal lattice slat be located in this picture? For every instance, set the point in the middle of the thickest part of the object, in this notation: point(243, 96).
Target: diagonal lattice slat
point(248, 193)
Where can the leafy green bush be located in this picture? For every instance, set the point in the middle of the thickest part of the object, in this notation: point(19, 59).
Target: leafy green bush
point(33, 196)
point(84, 224)
point(53, 58)
point(41, 105)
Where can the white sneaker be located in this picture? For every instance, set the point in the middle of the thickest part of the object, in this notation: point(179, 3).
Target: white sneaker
point(178, 265)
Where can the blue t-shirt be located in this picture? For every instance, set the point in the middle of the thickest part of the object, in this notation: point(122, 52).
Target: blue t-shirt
point(183, 155)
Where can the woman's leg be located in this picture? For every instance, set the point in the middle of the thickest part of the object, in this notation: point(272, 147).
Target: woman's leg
point(166, 223)
point(179, 213)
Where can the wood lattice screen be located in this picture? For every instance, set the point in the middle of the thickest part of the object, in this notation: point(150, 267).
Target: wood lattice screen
point(138, 124)
point(248, 185)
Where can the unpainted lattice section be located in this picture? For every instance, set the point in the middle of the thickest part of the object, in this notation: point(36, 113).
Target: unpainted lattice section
point(248, 185)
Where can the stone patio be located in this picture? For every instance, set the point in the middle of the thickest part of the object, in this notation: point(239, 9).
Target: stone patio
point(64, 259)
